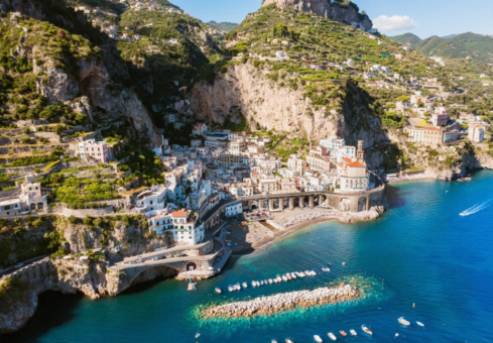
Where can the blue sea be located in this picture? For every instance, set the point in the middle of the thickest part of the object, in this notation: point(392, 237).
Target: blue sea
point(425, 262)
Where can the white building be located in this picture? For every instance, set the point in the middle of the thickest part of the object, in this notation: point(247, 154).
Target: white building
point(30, 199)
point(92, 150)
point(476, 132)
point(179, 226)
point(353, 176)
point(233, 210)
point(153, 199)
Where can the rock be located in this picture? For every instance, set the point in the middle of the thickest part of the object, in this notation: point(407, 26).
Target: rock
point(347, 14)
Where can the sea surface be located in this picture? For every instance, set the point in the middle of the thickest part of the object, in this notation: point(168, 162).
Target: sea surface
point(422, 252)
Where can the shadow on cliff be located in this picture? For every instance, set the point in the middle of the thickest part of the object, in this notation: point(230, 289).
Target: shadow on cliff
point(362, 121)
point(54, 309)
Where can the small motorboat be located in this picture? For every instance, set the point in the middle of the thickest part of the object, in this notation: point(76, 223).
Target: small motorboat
point(326, 269)
point(197, 335)
point(353, 332)
point(420, 324)
point(332, 336)
point(366, 330)
point(396, 335)
point(244, 285)
point(289, 340)
point(343, 333)
point(192, 286)
point(403, 321)
point(273, 341)
point(318, 339)
point(218, 290)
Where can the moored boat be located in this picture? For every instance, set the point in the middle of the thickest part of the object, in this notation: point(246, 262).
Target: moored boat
point(318, 339)
point(403, 321)
point(366, 330)
point(353, 332)
point(343, 333)
point(332, 336)
point(218, 290)
point(420, 324)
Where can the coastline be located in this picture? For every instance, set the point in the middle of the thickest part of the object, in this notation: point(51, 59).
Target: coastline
point(313, 217)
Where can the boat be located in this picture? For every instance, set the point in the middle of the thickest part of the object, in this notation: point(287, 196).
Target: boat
point(244, 285)
point(403, 321)
point(366, 330)
point(289, 340)
point(326, 269)
point(192, 286)
point(396, 335)
point(273, 341)
point(420, 324)
point(353, 332)
point(332, 336)
point(218, 290)
point(318, 339)
point(343, 333)
point(197, 335)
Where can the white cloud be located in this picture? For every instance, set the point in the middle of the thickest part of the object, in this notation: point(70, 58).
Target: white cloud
point(386, 23)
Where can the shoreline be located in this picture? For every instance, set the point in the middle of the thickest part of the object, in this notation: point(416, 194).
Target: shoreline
point(305, 224)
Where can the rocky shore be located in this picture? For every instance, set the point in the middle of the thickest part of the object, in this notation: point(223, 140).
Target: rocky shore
point(282, 302)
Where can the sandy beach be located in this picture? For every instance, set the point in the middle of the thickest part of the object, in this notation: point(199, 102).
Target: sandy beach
point(259, 235)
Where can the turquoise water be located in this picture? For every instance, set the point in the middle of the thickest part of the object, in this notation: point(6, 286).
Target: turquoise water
point(421, 252)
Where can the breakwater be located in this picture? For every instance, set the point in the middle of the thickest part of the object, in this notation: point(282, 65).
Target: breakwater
point(282, 302)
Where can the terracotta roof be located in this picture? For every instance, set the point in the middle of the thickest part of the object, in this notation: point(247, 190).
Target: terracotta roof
point(353, 164)
point(179, 214)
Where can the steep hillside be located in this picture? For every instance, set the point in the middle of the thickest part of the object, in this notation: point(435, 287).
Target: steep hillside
point(224, 27)
point(303, 74)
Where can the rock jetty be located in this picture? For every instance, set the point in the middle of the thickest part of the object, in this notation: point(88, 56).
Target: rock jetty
point(282, 302)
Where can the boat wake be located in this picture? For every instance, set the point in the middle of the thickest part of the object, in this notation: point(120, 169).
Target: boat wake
point(475, 209)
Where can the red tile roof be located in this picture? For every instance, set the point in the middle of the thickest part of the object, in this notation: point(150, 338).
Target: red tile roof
point(179, 214)
point(353, 164)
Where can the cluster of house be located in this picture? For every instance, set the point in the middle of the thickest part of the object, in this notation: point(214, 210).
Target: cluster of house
point(217, 167)
point(221, 165)
point(441, 129)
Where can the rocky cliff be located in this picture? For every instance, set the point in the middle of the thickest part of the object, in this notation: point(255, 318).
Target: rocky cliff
point(343, 12)
point(89, 247)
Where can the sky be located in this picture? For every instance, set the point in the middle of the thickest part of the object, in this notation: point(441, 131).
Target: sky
point(422, 17)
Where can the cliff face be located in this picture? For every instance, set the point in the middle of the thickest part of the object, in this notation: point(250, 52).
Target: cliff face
point(343, 13)
point(90, 276)
point(262, 102)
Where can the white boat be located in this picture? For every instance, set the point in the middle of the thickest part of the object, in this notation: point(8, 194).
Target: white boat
point(273, 341)
point(318, 339)
point(218, 290)
point(353, 332)
point(326, 269)
point(245, 285)
point(396, 335)
point(289, 340)
point(420, 324)
point(332, 336)
point(192, 286)
point(366, 330)
point(197, 335)
point(403, 321)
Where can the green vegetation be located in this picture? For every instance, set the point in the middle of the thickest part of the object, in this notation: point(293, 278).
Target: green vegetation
point(22, 239)
point(13, 292)
point(79, 192)
point(50, 47)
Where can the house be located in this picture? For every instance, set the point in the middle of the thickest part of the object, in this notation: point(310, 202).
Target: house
point(476, 132)
point(440, 119)
point(185, 229)
point(421, 132)
point(233, 210)
point(29, 199)
point(318, 161)
point(180, 227)
point(93, 150)
point(153, 199)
